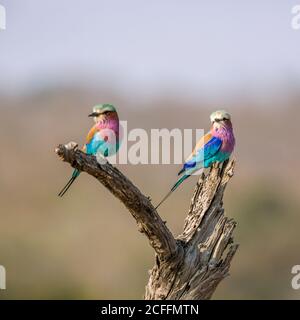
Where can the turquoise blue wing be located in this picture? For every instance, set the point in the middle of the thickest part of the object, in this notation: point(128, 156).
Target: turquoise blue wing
point(204, 154)
point(95, 144)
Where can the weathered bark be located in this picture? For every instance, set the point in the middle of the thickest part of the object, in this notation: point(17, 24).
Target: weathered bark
point(206, 241)
point(192, 265)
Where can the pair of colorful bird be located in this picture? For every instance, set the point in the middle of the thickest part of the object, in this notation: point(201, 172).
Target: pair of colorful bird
point(216, 146)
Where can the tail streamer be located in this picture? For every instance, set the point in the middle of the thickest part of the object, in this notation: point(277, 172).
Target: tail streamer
point(69, 183)
point(176, 185)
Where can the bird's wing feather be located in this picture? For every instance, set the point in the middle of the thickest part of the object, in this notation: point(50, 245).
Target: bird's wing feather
point(91, 134)
point(94, 140)
point(202, 141)
point(206, 148)
point(212, 147)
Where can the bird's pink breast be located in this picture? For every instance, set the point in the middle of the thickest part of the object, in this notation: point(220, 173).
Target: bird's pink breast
point(109, 123)
point(225, 133)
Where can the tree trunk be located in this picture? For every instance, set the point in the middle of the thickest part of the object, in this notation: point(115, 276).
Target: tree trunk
point(192, 265)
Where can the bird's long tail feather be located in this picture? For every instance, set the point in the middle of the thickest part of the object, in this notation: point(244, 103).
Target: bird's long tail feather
point(69, 183)
point(176, 185)
point(164, 198)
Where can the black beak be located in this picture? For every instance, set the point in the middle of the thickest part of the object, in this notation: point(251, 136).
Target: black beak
point(94, 114)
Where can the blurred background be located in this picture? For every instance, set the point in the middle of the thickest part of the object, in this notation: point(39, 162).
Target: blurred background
point(164, 64)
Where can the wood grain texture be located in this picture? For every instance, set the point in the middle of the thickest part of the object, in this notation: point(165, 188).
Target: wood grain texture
point(191, 265)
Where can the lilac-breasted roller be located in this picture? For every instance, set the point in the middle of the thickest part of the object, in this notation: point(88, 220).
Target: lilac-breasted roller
point(103, 138)
point(216, 146)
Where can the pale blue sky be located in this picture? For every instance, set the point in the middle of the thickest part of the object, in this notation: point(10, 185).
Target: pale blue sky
point(146, 46)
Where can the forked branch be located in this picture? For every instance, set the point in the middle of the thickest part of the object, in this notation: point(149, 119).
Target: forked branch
point(192, 265)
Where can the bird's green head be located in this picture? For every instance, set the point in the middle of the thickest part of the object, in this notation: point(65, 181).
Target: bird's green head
point(100, 110)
